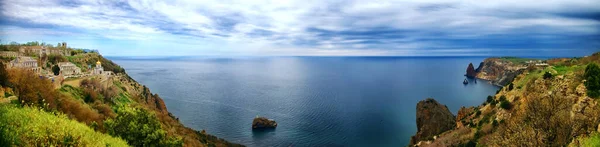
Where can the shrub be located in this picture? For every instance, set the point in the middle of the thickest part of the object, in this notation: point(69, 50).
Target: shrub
point(505, 105)
point(490, 98)
point(55, 70)
point(592, 77)
point(32, 89)
point(593, 140)
point(510, 86)
point(3, 75)
point(139, 128)
point(547, 75)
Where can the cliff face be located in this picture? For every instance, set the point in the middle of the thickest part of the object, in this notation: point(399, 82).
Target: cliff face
point(499, 72)
point(432, 118)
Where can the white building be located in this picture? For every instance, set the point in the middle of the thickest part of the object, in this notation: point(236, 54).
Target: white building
point(25, 62)
point(68, 69)
point(98, 69)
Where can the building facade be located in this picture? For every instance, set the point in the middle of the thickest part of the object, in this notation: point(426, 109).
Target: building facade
point(40, 50)
point(98, 69)
point(26, 63)
point(9, 54)
point(69, 69)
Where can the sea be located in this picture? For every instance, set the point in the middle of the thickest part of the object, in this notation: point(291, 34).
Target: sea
point(316, 101)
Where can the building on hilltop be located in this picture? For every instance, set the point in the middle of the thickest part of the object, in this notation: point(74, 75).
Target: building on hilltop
point(40, 50)
point(9, 54)
point(98, 69)
point(26, 63)
point(68, 69)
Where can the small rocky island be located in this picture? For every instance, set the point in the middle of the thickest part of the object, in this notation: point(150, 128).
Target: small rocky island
point(263, 123)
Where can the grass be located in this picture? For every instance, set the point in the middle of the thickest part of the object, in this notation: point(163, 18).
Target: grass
point(27, 126)
point(562, 70)
point(76, 93)
point(122, 99)
point(593, 140)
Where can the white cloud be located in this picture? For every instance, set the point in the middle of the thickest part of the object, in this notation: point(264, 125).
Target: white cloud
point(287, 22)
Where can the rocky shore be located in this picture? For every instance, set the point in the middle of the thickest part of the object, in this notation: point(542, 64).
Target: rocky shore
point(539, 104)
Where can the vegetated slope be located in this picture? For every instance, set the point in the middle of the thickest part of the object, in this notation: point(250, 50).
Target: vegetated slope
point(32, 126)
point(543, 106)
point(105, 104)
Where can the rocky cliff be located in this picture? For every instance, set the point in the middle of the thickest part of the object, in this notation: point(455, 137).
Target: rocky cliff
point(498, 71)
point(432, 118)
point(533, 111)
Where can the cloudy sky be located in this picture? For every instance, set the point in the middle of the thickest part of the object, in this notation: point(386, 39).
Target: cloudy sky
point(307, 27)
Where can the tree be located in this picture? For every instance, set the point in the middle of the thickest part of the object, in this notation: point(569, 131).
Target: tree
point(592, 77)
point(32, 89)
point(56, 70)
point(139, 128)
point(547, 75)
point(3, 75)
point(510, 87)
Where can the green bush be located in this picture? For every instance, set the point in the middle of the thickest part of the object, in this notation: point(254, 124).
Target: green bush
point(139, 128)
point(505, 105)
point(510, 86)
point(547, 75)
point(593, 140)
point(3, 75)
point(490, 99)
point(56, 70)
point(592, 77)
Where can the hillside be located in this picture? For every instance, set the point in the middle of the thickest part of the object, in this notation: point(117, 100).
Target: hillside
point(546, 105)
point(31, 126)
point(107, 104)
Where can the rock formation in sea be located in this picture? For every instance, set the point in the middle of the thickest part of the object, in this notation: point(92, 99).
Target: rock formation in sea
point(471, 73)
point(263, 123)
point(432, 118)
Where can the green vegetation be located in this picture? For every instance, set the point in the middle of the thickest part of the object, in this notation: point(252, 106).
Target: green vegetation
point(504, 104)
point(517, 60)
point(593, 140)
point(56, 70)
point(29, 126)
point(3, 75)
point(547, 75)
point(510, 86)
point(592, 77)
point(71, 91)
point(139, 127)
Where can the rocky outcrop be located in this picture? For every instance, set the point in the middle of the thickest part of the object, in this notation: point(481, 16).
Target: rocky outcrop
point(499, 72)
point(463, 113)
point(471, 73)
point(263, 123)
point(433, 118)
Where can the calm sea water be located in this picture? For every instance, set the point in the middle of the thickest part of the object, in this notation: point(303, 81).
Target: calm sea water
point(317, 101)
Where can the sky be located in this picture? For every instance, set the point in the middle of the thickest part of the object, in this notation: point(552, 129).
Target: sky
point(309, 28)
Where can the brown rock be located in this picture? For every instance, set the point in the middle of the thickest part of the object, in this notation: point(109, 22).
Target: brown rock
point(462, 114)
point(433, 118)
point(471, 73)
point(263, 123)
